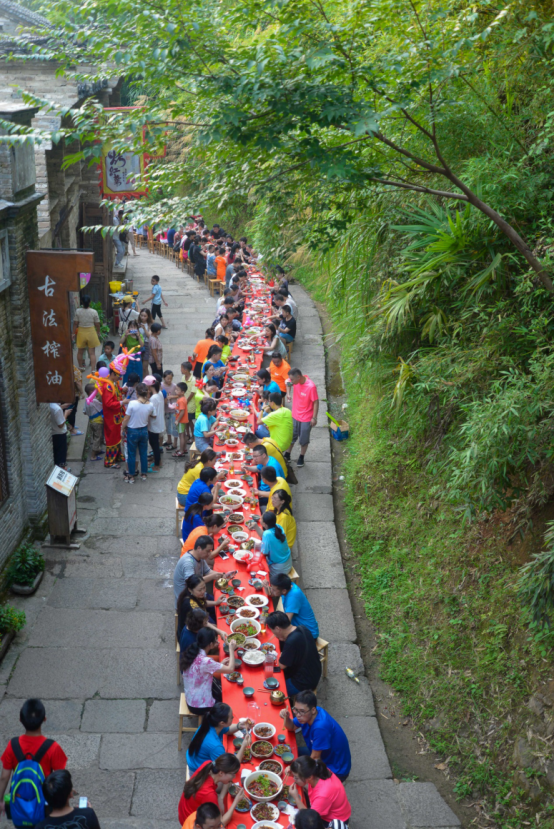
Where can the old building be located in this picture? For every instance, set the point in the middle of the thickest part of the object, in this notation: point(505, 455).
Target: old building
point(71, 195)
point(25, 442)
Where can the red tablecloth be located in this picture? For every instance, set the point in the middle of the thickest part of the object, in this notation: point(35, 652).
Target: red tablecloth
point(253, 676)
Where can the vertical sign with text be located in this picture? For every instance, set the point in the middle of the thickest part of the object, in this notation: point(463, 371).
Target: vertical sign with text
point(50, 276)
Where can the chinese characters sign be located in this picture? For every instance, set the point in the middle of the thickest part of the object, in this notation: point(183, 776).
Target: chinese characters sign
point(50, 276)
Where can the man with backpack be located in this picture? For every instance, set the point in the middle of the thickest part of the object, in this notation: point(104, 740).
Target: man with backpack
point(31, 758)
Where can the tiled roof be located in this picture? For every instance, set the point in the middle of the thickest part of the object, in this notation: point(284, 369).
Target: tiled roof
point(21, 13)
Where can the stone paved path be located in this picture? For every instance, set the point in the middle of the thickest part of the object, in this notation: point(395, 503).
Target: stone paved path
point(99, 644)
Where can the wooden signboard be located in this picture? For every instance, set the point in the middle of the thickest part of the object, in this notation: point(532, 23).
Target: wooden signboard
point(50, 276)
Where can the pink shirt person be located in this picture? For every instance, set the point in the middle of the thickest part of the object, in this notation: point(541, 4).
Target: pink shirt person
point(304, 395)
point(329, 798)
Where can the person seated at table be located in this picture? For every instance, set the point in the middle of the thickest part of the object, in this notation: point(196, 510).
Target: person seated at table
point(201, 350)
point(325, 791)
point(211, 525)
point(208, 817)
point(208, 458)
point(274, 544)
point(279, 422)
point(209, 786)
point(207, 482)
point(279, 372)
point(196, 561)
point(295, 602)
point(287, 326)
point(283, 298)
point(200, 672)
point(282, 505)
point(269, 477)
point(274, 343)
point(325, 738)
point(214, 359)
point(225, 347)
point(271, 447)
point(207, 742)
point(262, 459)
point(266, 384)
point(194, 596)
point(193, 622)
point(194, 516)
point(299, 657)
point(204, 426)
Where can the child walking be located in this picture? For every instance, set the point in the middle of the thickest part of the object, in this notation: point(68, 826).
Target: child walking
point(169, 390)
point(157, 298)
point(96, 422)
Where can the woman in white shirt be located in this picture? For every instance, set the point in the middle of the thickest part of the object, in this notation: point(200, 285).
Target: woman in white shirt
point(135, 428)
point(156, 426)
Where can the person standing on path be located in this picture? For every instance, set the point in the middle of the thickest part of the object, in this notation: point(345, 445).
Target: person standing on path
point(156, 425)
point(116, 238)
point(135, 426)
point(58, 428)
point(305, 408)
point(86, 331)
point(157, 299)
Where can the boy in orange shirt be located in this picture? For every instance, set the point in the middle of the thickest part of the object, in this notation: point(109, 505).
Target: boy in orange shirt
point(181, 419)
point(221, 264)
point(279, 371)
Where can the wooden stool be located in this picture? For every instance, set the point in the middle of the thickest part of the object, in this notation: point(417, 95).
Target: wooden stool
point(178, 656)
point(179, 516)
point(289, 351)
point(184, 712)
point(323, 651)
point(194, 455)
point(214, 285)
point(293, 575)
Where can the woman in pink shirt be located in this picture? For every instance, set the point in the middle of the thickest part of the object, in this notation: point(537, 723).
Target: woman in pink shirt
point(326, 793)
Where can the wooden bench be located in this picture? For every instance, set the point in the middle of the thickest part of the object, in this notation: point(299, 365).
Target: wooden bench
point(194, 455)
point(293, 575)
point(179, 516)
point(184, 712)
point(177, 649)
point(289, 351)
point(323, 651)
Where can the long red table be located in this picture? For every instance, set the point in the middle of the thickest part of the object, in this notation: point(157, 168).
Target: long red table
point(233, 694)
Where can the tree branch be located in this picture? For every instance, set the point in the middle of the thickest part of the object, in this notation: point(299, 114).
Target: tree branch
point(446, 194)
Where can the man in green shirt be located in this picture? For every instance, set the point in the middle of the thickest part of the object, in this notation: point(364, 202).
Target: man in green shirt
point(278, 422)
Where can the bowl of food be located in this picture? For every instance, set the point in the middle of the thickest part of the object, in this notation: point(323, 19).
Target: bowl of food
point(232, 442)
point(251, 644)
point(268, 647)
point(257, 600)
point(235, 529)
point(262, 786)
point(235, 602)
point(224, 608)
point(237, 637)
point(240, 536)
point(248, 628)
point(236, 518)
point(242, 555)
point(239, 415)
point(264, 812)
point(264, 731)
point(265, 825)
point(273, 765)
point(247, 613)
point(254, 658)
point(229, 500)
point(248, 545)
point(262, 749)
point(281, 750)
point(244, 805)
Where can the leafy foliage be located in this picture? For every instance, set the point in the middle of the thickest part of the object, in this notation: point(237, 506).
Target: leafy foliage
point(536, 583)
point(25, 564)
point(11, 619)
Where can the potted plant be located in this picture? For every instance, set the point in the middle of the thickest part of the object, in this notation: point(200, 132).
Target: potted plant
point(26, 570)
point(11, 621)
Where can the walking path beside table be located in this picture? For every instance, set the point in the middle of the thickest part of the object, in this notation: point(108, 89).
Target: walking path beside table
point(99, 644)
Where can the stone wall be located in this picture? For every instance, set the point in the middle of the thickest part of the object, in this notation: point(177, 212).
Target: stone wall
point(26, 425)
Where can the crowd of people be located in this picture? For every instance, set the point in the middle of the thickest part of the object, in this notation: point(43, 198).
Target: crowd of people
point(135, 407)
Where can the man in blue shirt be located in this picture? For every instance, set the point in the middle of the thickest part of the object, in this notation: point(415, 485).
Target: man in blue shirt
point(324, 737)
point(206, 483)
point(261, 460)
point(295, 603)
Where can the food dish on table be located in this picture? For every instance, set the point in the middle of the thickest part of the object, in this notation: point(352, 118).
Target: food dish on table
point(272, 765)
point(257, 600)
point(254, 658)
point(248, 613)
point(281, 749)
point(265, 811)
point(264, 730)
point(263, 786)
point(261, 749)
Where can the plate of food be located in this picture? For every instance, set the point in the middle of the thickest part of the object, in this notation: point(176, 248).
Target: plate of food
point(247, 613)
point(248, 545)
point(242, 430)
point(264, 731)
point(244, 805)
point(235, 456)
point(263, 786)
point(239, 414)
point(273, 765)
point(248, 628)
point(232, 442)
point(281, 749)
point(237, 491)
point(254, 658)
point(262, 749)
point(233, 482)
point(267, 647)
point(233, 677)
point(265, 811)
point(257, 600)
